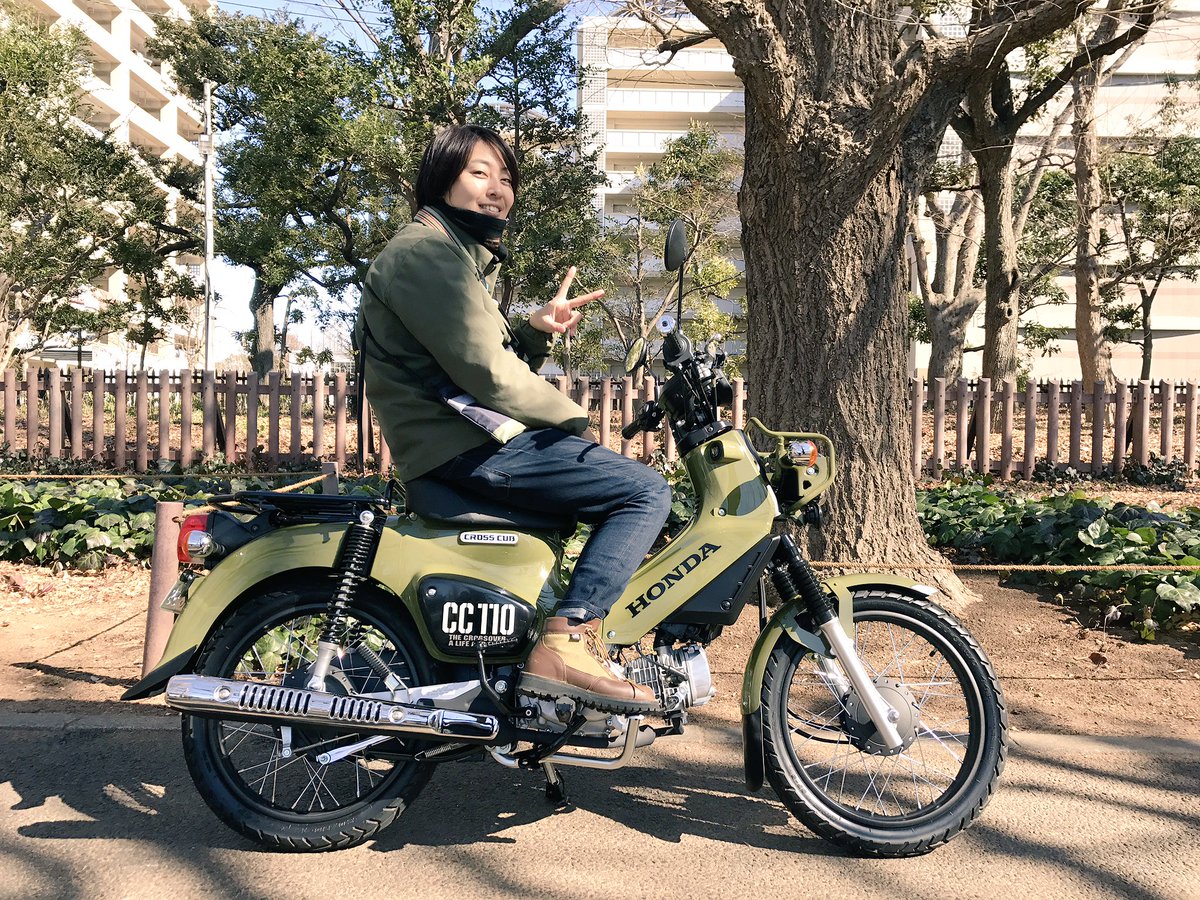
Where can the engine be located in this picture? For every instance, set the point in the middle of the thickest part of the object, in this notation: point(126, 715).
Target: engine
point(679, 676)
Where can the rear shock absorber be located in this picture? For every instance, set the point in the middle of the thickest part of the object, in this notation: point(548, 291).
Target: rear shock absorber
point(355, 558)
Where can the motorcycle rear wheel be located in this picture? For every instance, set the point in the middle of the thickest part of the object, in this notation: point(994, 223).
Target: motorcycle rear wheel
point(828, 770)
point(295, 803)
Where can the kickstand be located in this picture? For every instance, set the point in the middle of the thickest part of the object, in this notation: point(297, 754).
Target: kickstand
point(556, 789)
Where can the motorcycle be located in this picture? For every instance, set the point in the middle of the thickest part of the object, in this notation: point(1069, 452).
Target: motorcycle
point(328, 656)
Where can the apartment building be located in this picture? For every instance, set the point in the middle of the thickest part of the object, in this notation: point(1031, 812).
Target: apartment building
point(635, 100)
point(129, 92)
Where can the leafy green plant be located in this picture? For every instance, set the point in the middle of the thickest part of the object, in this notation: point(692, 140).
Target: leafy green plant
point(983, 522)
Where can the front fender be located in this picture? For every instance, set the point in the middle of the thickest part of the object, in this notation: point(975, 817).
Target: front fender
point(212, 595)
point(788, 619)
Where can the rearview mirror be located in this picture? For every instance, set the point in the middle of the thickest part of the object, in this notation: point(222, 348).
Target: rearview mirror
point(677, 246)
point(635, 358)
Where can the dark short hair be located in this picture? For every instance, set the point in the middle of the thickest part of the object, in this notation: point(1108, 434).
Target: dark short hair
point(448, 154)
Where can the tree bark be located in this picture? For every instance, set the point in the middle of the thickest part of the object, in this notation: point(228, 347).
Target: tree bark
point(262, 304)
point(1095, 353)
point(847, 350)
point(1002, 306)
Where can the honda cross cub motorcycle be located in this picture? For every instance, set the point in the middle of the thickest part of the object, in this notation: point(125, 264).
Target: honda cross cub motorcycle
point(328, 657)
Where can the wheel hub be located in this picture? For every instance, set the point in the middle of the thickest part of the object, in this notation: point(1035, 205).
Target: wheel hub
point(857, 724)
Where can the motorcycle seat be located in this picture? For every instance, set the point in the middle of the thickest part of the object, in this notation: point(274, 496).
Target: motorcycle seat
point(441, 502)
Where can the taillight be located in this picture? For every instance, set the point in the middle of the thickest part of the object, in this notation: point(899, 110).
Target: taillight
point(195, 542)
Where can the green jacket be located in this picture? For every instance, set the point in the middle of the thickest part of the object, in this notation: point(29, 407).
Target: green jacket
point(430, 306)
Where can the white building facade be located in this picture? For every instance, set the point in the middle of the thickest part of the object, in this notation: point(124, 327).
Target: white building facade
point(129, 93)
point(635, 100)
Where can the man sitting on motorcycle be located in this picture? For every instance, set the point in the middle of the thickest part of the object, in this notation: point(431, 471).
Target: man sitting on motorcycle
point(456, 391)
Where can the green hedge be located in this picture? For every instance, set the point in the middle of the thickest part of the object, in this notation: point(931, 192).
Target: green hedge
point(984, 523)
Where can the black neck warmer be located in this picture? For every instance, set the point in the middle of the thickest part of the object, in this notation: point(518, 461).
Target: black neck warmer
point(483, 228)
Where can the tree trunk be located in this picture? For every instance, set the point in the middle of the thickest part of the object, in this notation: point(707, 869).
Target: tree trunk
point(1095, 353)
point(847, 349)
point(1147, 339)
point(262, 305)
point(948, 334)
point(1003, 291)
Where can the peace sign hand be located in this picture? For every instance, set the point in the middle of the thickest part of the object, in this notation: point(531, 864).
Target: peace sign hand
point(560, 315)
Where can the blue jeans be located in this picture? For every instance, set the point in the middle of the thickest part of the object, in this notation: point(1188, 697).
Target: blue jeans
point(626, 503)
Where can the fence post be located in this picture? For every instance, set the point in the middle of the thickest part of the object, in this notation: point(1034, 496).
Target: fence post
point(1053, 400)
point(649, 442)
point(939, 426)
point(10, 407)
point(1031, 397)
point(1141, 427)
point(1189, 428)
point(1121, 426)
point(739, 410)
point(32, 412)
point(1076, 425)
point(273, 418)
point(142, 414)
point(98, 395)
point(626, 413)
point(185, 418)
point(164, 414)
point(983, 425)
point(961, 424)
point(231, 392)
point(605, 410)
point(164, 572)
point(330, 483)
point(1167, 425)
point(208, 388)
point(318, 414)
point(339, 419)
point(121, 407)
point(297, 445)
point(564, 385)
point(1006, 435)
point(917, 389)
point(77, 413)
point(54, 402)
point(1099, 398)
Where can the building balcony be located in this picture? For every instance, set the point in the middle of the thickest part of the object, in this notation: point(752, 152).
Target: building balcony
point(683, 100)
point(642, 142)
point(684, 61)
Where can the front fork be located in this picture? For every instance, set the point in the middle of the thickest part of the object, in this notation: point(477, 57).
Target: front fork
point(795, 581)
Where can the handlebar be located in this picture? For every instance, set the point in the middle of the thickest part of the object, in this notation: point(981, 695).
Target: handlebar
point(647, 419)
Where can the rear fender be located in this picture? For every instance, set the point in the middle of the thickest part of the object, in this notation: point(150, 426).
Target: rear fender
point(790, 621)
point(307, 551)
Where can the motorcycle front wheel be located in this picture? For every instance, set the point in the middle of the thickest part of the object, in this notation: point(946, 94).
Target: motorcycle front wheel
point(264, 781)
point(832, 770)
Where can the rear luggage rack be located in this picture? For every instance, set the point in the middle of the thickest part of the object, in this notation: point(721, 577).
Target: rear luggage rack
point(297, 509)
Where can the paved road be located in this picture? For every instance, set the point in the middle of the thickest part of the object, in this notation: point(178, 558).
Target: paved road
point(90, 810)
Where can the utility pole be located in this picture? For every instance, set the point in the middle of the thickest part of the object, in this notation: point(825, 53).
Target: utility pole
point(210, 164)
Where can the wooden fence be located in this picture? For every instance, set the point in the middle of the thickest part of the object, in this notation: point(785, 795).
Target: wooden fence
point(125, 419)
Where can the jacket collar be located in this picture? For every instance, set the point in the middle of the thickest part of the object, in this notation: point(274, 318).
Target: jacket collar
point(484, 258)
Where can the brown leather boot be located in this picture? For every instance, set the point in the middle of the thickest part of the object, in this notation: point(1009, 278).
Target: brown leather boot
point(571, 661)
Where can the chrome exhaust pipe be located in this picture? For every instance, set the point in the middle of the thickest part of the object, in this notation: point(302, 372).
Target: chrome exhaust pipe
point(257, 702)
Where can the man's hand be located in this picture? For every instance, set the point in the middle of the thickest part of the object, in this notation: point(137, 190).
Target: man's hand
point(560, 315)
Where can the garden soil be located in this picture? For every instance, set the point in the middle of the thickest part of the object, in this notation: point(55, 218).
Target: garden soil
point(71, 643)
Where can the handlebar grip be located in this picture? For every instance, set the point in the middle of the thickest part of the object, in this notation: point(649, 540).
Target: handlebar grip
point(630, 431)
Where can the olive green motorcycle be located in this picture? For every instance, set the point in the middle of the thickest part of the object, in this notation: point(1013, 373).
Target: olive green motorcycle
point(328, 654)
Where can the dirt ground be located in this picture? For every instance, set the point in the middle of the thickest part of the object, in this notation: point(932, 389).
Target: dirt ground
point(71, 643)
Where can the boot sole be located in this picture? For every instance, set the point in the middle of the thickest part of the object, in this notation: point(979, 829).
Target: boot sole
point(547, 689)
